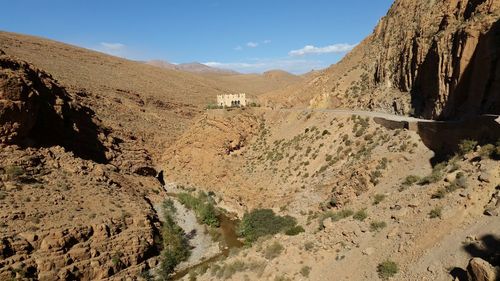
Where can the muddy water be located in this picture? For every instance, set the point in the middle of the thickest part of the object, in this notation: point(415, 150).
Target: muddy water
point(228, 240)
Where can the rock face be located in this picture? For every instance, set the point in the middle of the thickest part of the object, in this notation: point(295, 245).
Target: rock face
point(445, 53)
point(480, 270)
point(437, 59)
point(36, 111)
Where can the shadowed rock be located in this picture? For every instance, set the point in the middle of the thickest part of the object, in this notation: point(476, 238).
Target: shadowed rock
point(36, 111)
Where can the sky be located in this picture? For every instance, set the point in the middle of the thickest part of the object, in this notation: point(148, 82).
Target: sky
point(249, 36)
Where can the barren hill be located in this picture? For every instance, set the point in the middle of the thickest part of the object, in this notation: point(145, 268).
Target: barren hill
point(193, 67)
point(252, 84)
point(129, 94)
point(436, 59)
point(257, 84)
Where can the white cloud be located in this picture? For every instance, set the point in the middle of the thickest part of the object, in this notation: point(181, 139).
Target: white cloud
point(112, 46)
point(297, 66)
point(310, 49)
point(238, 48)
point(114, 49)
point(266, 41)
point(252, 44)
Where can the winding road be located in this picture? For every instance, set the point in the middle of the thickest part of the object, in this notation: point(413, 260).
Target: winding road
point(376, 114)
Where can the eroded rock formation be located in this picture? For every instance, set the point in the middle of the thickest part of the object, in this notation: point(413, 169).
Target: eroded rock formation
point(435, 59)
point(445, 53)
point(36, 111)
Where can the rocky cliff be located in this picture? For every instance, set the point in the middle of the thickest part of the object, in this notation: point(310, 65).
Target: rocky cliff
point(36, 111)
point(434, 58)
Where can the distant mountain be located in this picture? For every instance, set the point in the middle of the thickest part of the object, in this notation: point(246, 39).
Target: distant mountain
point(193, 67)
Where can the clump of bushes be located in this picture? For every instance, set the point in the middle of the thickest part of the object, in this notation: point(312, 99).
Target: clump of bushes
point(360, 215)
point(410, 180)
point(377, 225)
point(459, 182)
point(378, 198)
point(466, 146)
point(490, 151)
point(262, 222)
point(203, 207)
point(387, 269)
point(294, 230)
point(272, 251)
point(214, 106)
point(175, 245)
point(334, 216)
point(13, 172)
point(305, 270)
point(435, 176)
point(226, 271)
point(436, 212)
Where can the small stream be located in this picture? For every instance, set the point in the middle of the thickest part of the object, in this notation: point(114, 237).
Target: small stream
point(228, 240)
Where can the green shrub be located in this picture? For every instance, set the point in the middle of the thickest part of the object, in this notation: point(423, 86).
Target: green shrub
point(305, 270)
point(116, 258)
point(228, 270)
point(377, 225)
point(374, 176)
point(13, 172)
point(436, 212)
point(439, 194)
point(387, 269)
point(261, 222)
point(294, 230)
point(214, 106)
point(435, 176)
point(378, 198)
point(360, 215)
point(487, 151)
point(466, 146)
point(175, 245)
point(281, 278)
point(410, 180)
point(272, 251)
point(334, 216)
point(459, 182)
point(203, 207)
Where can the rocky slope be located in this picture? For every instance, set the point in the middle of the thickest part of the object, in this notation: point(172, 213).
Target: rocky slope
point(72, 201)
point(314, 166)
point(436, 59)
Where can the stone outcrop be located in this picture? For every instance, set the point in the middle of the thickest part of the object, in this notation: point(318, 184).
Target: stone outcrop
point(480, 270)
point(36, 111)
point(445, 53)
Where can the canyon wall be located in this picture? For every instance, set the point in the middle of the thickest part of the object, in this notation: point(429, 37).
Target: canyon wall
point(437, 59)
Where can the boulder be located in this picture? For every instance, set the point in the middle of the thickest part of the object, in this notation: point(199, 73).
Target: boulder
point(480, 270)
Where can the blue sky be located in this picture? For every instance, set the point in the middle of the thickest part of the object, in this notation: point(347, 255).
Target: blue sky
point(248, 36)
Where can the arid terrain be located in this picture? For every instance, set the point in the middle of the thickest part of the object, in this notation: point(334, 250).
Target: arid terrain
point(382, 166)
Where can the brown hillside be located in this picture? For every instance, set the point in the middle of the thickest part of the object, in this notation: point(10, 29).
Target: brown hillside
point(128, 94)
point(256, 84)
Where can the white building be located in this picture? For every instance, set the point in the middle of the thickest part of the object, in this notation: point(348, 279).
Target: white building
point(232, 100)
